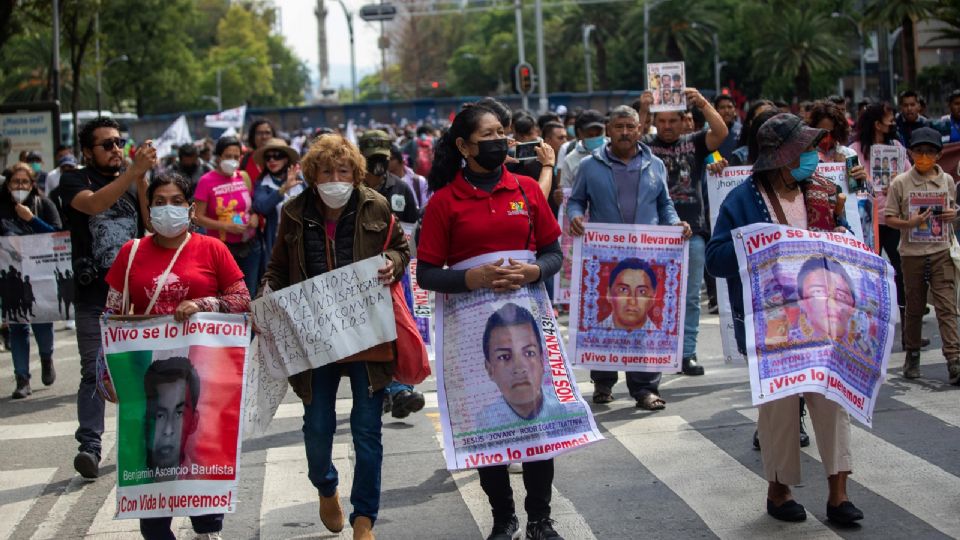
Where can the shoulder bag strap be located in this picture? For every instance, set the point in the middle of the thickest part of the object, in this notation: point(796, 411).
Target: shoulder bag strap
point(386, 243)
point(774, 201)
point(126, 278)
point(163, 277)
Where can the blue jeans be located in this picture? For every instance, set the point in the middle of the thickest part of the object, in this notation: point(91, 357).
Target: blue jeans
point(691, 321)
point(20, 345)
point(320, 423)
point(250, 264)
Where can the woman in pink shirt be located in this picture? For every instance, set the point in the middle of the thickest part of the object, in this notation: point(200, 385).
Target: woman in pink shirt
point(224, 203)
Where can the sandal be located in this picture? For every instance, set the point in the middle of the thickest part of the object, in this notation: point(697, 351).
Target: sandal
point(651, 402)
point(602, 397)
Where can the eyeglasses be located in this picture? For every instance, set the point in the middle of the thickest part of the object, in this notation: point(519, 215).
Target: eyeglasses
point(274, 156)
point(109, 144)
point(263, 133)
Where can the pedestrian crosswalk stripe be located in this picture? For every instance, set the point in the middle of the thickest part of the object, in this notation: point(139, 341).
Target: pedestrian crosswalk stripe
point(727, 496)
point(295, 410)
point(49, 528)
point(940, 404)
point(290, 504)
point(910, 482)
point(20, 490)
point(46, 429)
point(569, 522)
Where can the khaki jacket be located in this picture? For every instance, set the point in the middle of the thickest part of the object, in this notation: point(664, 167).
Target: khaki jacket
point(287, 264)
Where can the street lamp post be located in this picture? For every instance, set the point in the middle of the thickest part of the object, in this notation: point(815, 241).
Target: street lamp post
point(353, 57)
point(587, 28)
point(863, 66)
point(100, 70)
point(246, 60)
point(891, 40)
point(521, 53)
point(647, 5)
point(541, 60)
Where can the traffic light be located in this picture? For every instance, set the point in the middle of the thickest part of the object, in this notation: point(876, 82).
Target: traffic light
point(523, 78)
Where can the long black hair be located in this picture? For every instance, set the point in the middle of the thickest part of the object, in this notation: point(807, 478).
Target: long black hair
point(748, 121)
point(252, 132)
point(867, 126)
point(753, 146)
point(447, 159)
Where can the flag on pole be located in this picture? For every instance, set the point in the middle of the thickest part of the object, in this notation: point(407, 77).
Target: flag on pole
point(227, 119)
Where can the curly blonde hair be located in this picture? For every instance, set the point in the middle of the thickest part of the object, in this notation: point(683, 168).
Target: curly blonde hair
point(328, 151)
point(25, 167)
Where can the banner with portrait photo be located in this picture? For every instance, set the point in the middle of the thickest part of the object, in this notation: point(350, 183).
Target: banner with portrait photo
point(420, 301)
point(886, 162)
point(932, 229)
point(629, 285)
point(666, 81)
point(718, 187)
point(561, 281)
point(820, 312)
point(36, 278)
point(506, 391)
point(180, 392)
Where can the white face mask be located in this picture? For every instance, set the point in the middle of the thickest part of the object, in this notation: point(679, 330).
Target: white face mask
point(170, 221)
point(335, 194)
point(20, 195)
point(229, 166)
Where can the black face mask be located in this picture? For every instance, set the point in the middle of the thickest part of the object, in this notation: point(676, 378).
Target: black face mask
point(377, 165)
point(492, 154)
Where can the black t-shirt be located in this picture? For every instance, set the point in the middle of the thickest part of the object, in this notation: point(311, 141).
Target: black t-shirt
point(402, 201)
point(684, 159)
point(96, 239)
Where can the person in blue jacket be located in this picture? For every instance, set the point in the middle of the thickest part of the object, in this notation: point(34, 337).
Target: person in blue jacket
point(280, 181)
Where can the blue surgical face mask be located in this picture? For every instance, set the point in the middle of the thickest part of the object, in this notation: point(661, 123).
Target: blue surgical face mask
point(593, 143)
point(571, 132)
point(808, 164)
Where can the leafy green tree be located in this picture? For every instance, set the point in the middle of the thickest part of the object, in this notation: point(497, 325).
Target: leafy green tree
point(242, 57)
point(905, 14)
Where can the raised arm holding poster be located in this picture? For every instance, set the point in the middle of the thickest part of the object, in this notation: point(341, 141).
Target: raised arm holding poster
point(505, 388)
point(820, 311)
point(324, 319)
point(180, 392)
point(627, 306)
point(718, 187)
point(36, 278)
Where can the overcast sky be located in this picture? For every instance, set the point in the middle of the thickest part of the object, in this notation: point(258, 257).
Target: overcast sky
point(299, 26)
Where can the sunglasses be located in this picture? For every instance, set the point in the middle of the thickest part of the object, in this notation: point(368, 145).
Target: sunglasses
point(110, 144)
point(274, 156)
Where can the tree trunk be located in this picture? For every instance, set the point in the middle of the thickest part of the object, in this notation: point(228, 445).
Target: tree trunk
point(909, 51)
point(802, 82)
point(601, 57)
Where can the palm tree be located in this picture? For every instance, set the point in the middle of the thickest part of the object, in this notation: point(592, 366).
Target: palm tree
point(606, 20)
point(905, 14)
point(678, 28)
point(797, 41)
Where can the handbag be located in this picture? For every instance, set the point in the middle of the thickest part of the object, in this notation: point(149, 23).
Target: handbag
point(413, 362)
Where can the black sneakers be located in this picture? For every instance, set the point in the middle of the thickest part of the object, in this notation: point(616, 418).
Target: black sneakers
point(87, 464)
point(691, 366)
point(506, 530)
point(405, 402)
point(542, 530)
point(49, 373)
point(23, 388)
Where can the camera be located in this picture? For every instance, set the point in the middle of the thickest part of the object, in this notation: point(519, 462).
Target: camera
point(85, 270)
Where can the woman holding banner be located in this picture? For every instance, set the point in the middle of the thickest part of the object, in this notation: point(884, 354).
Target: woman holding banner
point(24, 211)
point(476, 210)
point(778, 193)
point(174, 272)
point(335, 222)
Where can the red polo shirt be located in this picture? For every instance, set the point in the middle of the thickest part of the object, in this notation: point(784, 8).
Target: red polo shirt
point(462, 221)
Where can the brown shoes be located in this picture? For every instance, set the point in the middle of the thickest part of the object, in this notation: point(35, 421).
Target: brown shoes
point(362, 528)
point(331, 513)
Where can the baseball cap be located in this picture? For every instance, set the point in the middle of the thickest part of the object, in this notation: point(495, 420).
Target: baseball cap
point(68, 160)
point(926, 135)
point(590, 118)
point(33, 156)
point(782, 139)
point(375, 142)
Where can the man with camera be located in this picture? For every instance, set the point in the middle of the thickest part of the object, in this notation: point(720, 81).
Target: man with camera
point(101, 202)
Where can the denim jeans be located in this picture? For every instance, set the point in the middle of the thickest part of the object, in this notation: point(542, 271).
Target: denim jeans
point(20, 345)
point(89, 402)
point(320, 423)
point(250, 265)
point(691, 321)
point(159, 528)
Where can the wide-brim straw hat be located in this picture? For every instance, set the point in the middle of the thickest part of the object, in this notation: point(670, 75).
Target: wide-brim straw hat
point(275, 144)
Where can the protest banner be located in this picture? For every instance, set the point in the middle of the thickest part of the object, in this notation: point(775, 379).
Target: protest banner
point(627, 307)
point(176, 135)
point(561, 281)
point(180, 392)
point(324, 319)
point(718, 187)
point(837, 173)
point(886, 162)
point(931, 229)
point(504, 385)
point(666, 81)
point(36, 278)
point(421, 301)
point(230, 118)
point(820, 311)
